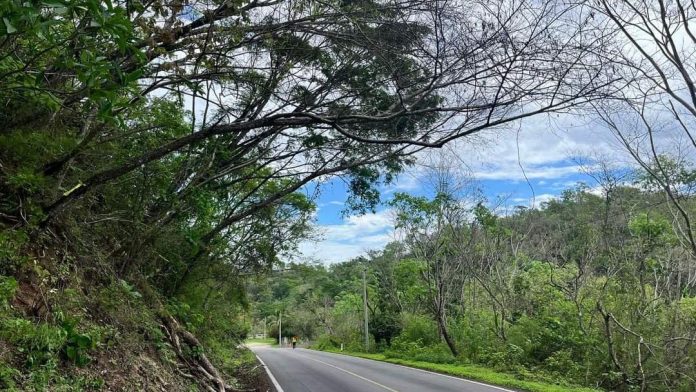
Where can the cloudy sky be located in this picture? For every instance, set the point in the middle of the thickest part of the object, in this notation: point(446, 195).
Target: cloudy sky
point(542, 148)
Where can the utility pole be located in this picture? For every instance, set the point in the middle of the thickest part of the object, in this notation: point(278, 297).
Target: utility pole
point(264, 327)
point(367, 339)
point(280, 329)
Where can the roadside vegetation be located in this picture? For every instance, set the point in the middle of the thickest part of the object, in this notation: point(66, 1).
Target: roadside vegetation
point(160, 160)
point(587, 290)
point(263, 341)
point(473, 372)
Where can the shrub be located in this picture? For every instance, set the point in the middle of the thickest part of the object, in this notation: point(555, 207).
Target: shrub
point(325, 342)
point(419, 329)
point(39, 343)
point(503, 359)
point(11, 243)
point(562, 364)
point(8, 287)
point(42, 343)
point(187, 316)
point(7, 377)
point(77, 344)
point(418, 351)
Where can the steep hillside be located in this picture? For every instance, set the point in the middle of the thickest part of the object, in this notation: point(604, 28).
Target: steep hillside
point(68, 324)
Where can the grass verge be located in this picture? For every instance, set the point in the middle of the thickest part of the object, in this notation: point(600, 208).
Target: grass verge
point(473, 372)
point(270, 341)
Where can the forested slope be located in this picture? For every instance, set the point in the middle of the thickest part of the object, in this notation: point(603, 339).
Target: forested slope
point(155, 153)
point(590, 290)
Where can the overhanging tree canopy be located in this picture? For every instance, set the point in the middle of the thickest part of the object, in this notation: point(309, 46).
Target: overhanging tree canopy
point(283, 93)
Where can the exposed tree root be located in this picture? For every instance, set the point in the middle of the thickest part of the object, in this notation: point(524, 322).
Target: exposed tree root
point(199, 366)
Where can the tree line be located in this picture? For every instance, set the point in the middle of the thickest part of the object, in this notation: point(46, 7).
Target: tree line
point(590, 289)
point(180, 145)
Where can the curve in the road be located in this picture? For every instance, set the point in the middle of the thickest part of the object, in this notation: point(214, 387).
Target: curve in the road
point(303, 370)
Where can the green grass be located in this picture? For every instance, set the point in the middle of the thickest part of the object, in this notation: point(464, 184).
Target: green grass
point(474, 372)
point(260, 341)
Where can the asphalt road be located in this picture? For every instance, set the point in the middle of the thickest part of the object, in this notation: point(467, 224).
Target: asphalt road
point(302, 370)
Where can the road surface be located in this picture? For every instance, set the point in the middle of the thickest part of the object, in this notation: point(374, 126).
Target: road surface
point(302, 370)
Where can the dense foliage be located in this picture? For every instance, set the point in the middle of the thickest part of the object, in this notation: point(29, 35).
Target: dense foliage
point(156, 154)
point(590, 290)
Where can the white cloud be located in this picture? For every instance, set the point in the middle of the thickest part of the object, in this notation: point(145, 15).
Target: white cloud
point(532, 202)
point(538, 200)
point(352, 238)
point(542, 146)
point(405, 182)
point(332, 203)
point(502, 172)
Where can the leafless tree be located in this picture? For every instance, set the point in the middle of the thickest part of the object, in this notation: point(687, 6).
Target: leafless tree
point(654, 55)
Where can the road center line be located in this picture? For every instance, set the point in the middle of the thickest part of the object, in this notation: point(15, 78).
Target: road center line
point(353, 374)
point(466, 380)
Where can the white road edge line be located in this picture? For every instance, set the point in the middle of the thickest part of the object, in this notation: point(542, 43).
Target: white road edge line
point(424, 371)
point(353, 374)
point(276, 385)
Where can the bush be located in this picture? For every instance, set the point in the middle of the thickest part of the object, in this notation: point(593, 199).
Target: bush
point(11, 243)
point(40, 343)
point(419, 329)
point(503, 359)
point(77, 344)
point(185, 314)
point(7, 377)
point(562, 365)
point(8, 287)
point(474, 336)
point(325, 342)
point(418, 351)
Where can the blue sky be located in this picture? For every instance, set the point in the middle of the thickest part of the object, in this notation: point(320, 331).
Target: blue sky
point(513, 192)
point(544, 147)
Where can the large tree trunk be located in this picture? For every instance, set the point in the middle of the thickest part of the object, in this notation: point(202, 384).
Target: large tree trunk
point(446, 336)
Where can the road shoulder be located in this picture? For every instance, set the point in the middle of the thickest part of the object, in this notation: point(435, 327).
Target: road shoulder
point(266, 380)
point(270, 378)
point(474, 374)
